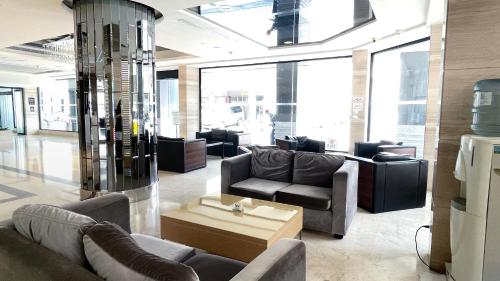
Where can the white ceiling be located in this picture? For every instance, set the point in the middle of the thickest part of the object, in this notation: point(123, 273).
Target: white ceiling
point(203, 41)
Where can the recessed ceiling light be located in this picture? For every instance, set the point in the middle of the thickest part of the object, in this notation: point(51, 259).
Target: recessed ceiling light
point(225, 8)
point(216, 47)
point(204, 43)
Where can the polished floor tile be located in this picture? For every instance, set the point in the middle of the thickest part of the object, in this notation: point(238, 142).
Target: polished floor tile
point(45, 169)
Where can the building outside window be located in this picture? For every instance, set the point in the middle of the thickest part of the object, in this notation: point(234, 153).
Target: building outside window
point(58, 106)
point(168, 104)
point(399, 95)
point(306, 98)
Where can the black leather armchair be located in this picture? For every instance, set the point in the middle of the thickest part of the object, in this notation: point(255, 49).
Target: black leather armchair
point(231, 140)
point(301, 144)
point(391, 185)
point(369, 149)
point(181, 156)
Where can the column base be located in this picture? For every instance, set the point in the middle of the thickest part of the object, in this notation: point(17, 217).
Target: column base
point(134, 195)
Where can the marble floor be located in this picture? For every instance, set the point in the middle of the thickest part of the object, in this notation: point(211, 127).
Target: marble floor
point(378, 247)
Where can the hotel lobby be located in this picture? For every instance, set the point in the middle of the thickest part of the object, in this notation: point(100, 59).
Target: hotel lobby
point(249, 140)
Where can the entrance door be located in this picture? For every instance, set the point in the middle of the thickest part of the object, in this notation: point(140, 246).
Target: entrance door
point(6, 109)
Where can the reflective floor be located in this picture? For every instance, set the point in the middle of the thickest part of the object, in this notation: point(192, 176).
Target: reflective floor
point(44, 169)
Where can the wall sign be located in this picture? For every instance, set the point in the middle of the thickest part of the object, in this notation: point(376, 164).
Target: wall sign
point(31, 101)
point(358, 106)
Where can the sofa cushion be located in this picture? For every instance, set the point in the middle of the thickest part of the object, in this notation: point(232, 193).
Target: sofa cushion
point(57, 229)
point(163, 248)
point(257, 188)
point(22, 259)
point(272, 164)
point(316, 168)
point(214, 268)
point(115, 255)
point(307, 196)
point(218, 135)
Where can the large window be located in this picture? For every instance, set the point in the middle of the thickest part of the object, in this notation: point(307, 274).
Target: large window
point(58, 106)
point(398, 95)
point(307, 98)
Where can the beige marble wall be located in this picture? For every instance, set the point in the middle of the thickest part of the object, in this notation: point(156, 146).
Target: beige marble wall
point(189, 101)
point(31, 111)
point(433, 100)
point(471, 54)
point(360, 81)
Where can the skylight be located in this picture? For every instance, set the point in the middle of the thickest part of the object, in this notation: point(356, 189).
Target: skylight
point(288, 22)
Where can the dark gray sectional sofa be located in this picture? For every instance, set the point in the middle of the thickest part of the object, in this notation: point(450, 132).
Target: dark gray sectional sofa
point(23, 259)
point(324, 185)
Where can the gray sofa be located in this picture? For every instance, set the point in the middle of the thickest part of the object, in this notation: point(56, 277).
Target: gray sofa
point(327, 194)
point(22, 259)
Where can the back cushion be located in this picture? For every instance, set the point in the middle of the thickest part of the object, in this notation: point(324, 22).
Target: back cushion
point(218, 135)
point(366, 149)
point(231, 134)
point(388, 157)
point(115, 255)
point(272, 164)
point(170, 139)
point(316, 169)
point(57, 229)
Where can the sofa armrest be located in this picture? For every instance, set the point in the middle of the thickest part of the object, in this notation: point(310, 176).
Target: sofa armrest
point(112, 207)
point(242, 139)
point(399, 149)
point(284, 261)
point(344, 196)
point(203, 135)
point(234, 170)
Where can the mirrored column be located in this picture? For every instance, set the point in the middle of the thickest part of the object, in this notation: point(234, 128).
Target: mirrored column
point(114, 45)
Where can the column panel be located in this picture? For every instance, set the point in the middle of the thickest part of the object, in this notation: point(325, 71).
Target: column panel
point(360, 78)
point(189, 101)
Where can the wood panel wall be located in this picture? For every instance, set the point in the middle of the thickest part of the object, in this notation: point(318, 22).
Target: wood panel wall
point(433, 100)
point(471, 53)
point(189, 101)
point(360, 82)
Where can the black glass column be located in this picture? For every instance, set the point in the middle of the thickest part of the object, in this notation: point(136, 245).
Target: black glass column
point(115, 68)
point(287, 17)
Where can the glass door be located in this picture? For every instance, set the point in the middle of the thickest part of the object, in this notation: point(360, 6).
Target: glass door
point(19, 111)
point(168, 97)
point(6, 109)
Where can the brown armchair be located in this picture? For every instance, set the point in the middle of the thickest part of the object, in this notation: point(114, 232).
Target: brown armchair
point(181, 156)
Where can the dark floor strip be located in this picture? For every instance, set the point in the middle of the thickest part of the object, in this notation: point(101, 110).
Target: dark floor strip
point(42, 176)
point(17, 193)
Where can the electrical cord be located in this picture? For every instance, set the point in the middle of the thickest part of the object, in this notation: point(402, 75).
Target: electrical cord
point(416, 244)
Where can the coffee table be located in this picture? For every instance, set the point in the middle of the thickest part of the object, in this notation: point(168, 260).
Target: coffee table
point(211, 224)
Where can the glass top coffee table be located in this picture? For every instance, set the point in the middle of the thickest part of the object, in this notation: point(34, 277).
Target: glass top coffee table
point(231, 226)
